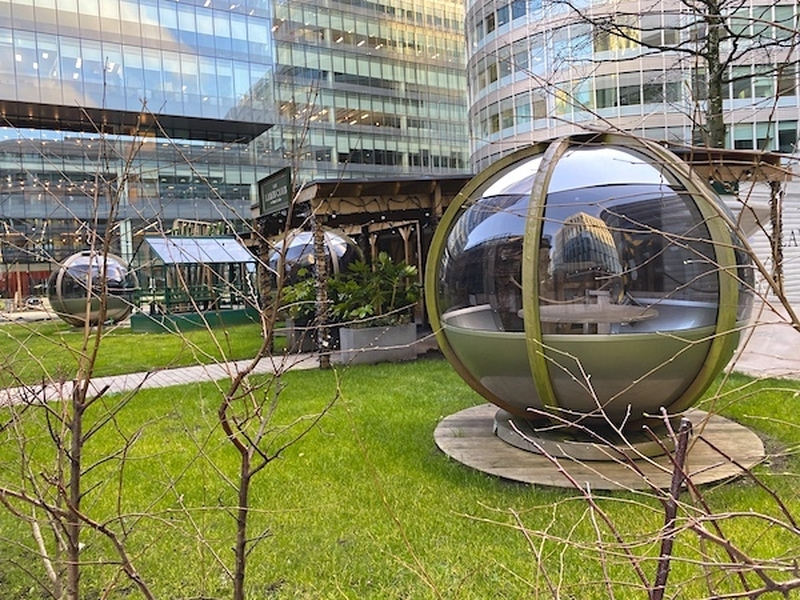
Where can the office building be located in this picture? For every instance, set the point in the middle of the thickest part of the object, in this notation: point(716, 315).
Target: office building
point(539, 69)
point(133, 115)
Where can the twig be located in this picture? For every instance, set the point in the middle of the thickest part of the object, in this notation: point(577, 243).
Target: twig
point(671, 509)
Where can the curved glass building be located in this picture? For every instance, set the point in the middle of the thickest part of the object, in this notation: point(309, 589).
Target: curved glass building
point(119, 115)
point(539, 69)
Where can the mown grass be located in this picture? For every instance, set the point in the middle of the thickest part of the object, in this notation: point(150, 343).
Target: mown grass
point(367, 507)
point(50, 350)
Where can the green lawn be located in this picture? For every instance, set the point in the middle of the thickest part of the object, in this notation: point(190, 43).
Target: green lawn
point(50, 350)
point(367, 507)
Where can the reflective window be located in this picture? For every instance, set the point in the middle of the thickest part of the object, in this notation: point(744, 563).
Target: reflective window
point(623, 249)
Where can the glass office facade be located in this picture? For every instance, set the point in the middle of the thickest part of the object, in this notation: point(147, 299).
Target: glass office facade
point(190, 59)
point(165, 110)
point(537, 70)
point(381, 84)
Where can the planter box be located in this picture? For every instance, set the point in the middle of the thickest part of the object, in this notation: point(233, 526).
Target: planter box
point(303, 338)
point(145, 323)
point(300, 337)
point(376, 344)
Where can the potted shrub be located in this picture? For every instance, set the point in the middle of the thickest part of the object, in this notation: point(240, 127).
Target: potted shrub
point(374, 304)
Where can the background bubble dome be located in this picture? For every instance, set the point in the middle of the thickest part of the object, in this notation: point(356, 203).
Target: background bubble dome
point(76, 289)
point(297, 253)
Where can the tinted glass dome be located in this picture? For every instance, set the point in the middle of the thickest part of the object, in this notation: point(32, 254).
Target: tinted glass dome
point(586, 277)
point(78, 285)
point(298, 250)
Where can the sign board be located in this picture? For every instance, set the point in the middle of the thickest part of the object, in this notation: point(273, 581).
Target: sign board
point(275, 192)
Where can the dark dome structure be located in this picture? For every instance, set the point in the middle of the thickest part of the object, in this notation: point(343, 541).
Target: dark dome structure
point(75, 290)
point(593, 279)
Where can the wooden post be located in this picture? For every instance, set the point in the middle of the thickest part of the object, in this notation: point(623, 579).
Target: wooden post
point(373, 247)
point(776, 237)
point(321, 282)
point(405, 233)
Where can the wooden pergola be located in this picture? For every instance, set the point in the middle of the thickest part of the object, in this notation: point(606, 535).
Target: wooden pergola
point(725, 166)
point(730, 168)
point(400, 213)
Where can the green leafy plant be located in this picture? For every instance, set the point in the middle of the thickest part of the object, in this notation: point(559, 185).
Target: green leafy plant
point(377, 294)
point(365, 295)
point(299, 298)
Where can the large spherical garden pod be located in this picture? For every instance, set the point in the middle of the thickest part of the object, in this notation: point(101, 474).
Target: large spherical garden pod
point(592, 280)
point(76, 289)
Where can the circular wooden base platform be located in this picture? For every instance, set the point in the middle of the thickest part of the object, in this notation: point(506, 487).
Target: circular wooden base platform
point(717, 443)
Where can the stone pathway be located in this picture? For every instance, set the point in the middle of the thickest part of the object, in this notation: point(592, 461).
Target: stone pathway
point(117, 384)
point(770, 348)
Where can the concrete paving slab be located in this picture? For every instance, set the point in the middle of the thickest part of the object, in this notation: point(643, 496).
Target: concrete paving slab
point(770, 346)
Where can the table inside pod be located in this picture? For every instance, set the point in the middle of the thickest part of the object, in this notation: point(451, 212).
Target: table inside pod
point(602, 315)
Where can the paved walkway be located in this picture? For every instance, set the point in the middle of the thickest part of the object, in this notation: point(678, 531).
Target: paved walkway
point(770, 348)
point(115, 384)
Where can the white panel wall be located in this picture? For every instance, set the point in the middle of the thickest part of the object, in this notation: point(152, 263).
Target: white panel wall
point(757, 198)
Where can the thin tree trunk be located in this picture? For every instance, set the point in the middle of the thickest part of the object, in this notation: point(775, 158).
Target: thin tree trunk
point(776, 235)
point(321, 280)
point(671, 510)
point(715, 120)
point(73, 524)
point(242, 514)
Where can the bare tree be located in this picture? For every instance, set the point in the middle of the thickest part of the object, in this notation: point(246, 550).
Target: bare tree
point(51, 498)
point(74, 412)
point(720, 42)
